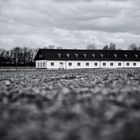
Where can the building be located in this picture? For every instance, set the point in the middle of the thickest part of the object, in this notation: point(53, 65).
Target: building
point(78, 59)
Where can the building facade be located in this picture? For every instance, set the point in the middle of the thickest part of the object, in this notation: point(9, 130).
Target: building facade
point(78, 59)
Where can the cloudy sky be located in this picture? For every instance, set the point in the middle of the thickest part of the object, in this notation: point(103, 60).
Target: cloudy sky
point(69, 23)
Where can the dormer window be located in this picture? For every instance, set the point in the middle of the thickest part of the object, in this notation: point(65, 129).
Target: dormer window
point(125, 55)
point(93, 55)
point(102, 55)
point(76, 55)
point(136, 56)
point(115, 55)
point(68, 55)
point(85, 55)
point(59, 55)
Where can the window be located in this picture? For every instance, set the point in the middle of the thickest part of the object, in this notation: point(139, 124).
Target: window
point(136, 56)
point(76, 55)
point(59, 55)
point(127, 64)
point(111, 64)
point(104, 64)
point(61, 63)
point(115, 55)
point(134, 64)
point(70, 64)
point(93, 55)
point(87, 64)
point(102, 55)
point(95, 64)
point(125, 55)
point(119, 64)
point(43, 64)
point(52, 63)
point(68, 55)
point(78, 64)
point(85, 55)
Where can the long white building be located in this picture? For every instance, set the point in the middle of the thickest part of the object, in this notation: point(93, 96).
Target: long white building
point(78, 59)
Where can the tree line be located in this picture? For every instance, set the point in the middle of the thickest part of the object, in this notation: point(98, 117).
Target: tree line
point(18, 56)
point(112, 46)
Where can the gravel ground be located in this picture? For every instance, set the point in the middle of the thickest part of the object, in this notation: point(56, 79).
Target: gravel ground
point(70, 105)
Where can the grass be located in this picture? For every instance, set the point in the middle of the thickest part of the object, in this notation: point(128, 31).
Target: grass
point(70, 105)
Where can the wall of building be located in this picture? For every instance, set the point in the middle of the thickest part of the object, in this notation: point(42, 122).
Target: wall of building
point(131, 64)
point(41, 64)
point(85, 64)
point(116, 64)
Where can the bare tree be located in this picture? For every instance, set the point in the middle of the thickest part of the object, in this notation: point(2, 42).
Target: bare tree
point(132, 46)
point(105, 47)
point(112, 46)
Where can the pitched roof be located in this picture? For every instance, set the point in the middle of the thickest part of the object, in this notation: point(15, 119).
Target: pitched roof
point(89, 55)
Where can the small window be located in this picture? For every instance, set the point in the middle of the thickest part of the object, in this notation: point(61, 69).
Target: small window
point(134, 64)
point(104, 64)
point(95, 64)
point(125, 55)
point(68, 55)
point(87, 64)
point(93, 55)
point(127, 64)
point(119, 64)
point(43, 64)
point(111, 64)
point(136, 56)
point(102, 55)
point(85, 55)
point(52, 63)
point(78, 64)
point(70, 64)
point(38, 64)
point(115, 55)
point(61, 63)
point(76, 55)
point(59, 55)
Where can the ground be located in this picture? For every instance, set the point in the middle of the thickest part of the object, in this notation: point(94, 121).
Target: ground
point(98, 104)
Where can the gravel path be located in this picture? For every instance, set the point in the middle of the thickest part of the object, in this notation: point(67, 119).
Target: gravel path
point(70, 105)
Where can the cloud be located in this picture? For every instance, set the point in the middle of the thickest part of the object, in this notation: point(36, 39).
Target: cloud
point(69, 23)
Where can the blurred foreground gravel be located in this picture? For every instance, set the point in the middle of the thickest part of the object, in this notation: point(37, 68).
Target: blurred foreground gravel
point(70, 105)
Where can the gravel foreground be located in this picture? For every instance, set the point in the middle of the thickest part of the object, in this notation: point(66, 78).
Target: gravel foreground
point(70, 105)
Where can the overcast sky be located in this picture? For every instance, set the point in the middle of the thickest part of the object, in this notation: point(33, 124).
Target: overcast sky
point(69, 23)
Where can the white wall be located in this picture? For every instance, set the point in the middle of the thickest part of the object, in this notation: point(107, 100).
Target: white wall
point(73, 66)
point(115, 64)
point(41, 64)
point(83, 64)
point(131, 64)
point(65, 64)
point(56, 64)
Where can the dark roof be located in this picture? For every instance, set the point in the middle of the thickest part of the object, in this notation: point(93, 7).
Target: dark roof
point(69, 54)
